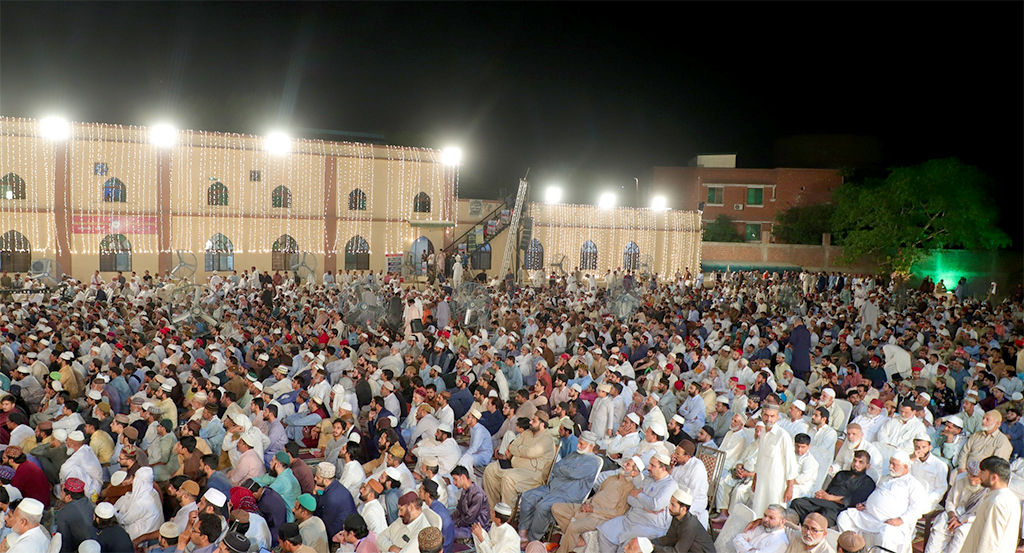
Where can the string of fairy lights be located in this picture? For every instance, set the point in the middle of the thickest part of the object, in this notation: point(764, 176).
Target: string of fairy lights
point(665, 240)
point(221, 185)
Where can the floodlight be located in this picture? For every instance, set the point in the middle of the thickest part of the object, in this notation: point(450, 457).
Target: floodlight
point(607, 201)
point(163, 135)
point(553, 195)
point(277, 143)
point(55, 128)
point(659, 203)
point(451, 156)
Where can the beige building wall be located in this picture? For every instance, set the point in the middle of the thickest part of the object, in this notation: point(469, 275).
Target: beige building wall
point(166, 207)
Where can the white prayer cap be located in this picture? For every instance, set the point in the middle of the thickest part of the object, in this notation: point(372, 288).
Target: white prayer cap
point(902, 457)
point(60, 434)
point(105, 510)
point(800, 405)
point(393, 473)
point(76, 436)
point(13, 493)
point(829, 392)
point(215, 497)
point(679, 419)
point(94, 394)
point(645, 545)
point(683, 496)
point(24, 370)
point(475, 413)
point(503, 509)
point(67, 356)
point(31, 506)
point(445, 427)
point(577, 387)
point(249, 439)
point(117, 479)
point(166, 386)
point(661, 458)
point(634, 417)
point(722, 399)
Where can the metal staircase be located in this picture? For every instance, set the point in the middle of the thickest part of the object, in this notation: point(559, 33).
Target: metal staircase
point(469, 238)
point(511, 240)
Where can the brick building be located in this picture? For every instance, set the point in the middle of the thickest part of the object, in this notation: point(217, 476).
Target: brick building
point(751, 197)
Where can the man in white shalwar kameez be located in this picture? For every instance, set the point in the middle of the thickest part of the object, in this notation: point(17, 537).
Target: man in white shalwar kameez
point(501, 538)
point(950, 527)
point(768, 537)
point(776, 468)
point(995, 529)
point(898, 433)
point(27, 535)
point(690, 473)
point(823, 445)
point(83, 464)
point(140, 511)
point(892, 510)
point(648, 515)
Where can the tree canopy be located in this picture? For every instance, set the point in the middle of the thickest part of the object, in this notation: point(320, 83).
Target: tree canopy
point(941, 203)
point(803, 224)
point(722, 229)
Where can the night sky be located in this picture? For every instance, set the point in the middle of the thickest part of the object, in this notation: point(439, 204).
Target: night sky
point(588, 96)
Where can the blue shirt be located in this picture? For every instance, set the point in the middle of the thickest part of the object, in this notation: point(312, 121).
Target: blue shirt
point(334, 506)
point(220, 482)
point(447, 525)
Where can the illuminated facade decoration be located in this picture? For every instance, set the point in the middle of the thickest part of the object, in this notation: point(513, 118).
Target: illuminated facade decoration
point(109, 198)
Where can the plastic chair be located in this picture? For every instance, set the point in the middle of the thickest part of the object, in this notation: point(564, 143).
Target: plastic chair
point(714, 460)
point(739, 517)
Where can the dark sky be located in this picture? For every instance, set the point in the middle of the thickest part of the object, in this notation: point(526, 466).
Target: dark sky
point(589, 95)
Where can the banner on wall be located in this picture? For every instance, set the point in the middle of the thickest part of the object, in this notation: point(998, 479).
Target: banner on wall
point(394, 263)
point(114, 224)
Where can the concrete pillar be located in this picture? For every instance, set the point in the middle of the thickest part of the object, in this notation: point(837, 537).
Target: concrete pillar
point(330, 214)
point(163, 210)
point(61, 209)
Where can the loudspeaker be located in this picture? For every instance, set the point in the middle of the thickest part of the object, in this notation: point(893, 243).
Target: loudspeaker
point(527, 234)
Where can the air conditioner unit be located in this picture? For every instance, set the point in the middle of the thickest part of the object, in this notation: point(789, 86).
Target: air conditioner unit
point(737, 207)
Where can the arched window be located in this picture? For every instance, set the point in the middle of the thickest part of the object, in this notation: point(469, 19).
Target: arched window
point(15, 252)
point(357, 254)
point(220, 254)
point(631, 257)
point(115, 253)
point(357, 200)
point(285, 253)
point(281, 197)
point(588, 256)
point(534, 255)
point(421, 204)
point(217, 194)
point(481, 258)
point(115, 191)
point(12, 187)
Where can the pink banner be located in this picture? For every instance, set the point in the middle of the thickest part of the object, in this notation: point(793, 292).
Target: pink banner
point(114, 224)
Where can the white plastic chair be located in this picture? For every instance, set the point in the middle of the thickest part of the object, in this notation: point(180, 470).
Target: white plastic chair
point(739, 517)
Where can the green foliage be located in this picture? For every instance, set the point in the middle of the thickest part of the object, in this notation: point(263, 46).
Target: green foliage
point(722, 229)
point(941, 203)
point(803, 224)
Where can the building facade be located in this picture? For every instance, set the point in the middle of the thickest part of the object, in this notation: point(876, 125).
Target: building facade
point(107, 198)
point(751, 197)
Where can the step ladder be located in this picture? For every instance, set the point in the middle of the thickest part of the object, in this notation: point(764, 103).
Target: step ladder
point(513, 229)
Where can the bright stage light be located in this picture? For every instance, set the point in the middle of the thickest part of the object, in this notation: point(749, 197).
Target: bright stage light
point(659, 203)
point(553, 195)
point(607, 201)
point(163, 135)
point(55, 128)
point(278, 143)
point(451, 156)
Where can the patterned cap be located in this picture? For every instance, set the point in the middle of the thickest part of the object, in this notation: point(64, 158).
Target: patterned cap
point(74, 485)
point(973, 467)
point(430, 539)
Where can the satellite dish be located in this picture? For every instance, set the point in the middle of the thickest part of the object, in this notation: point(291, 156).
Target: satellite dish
point(185, 267)
point(304, 266)
point(471, 305)
point(559, 265)
point(47, 272)
point(625, 305)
